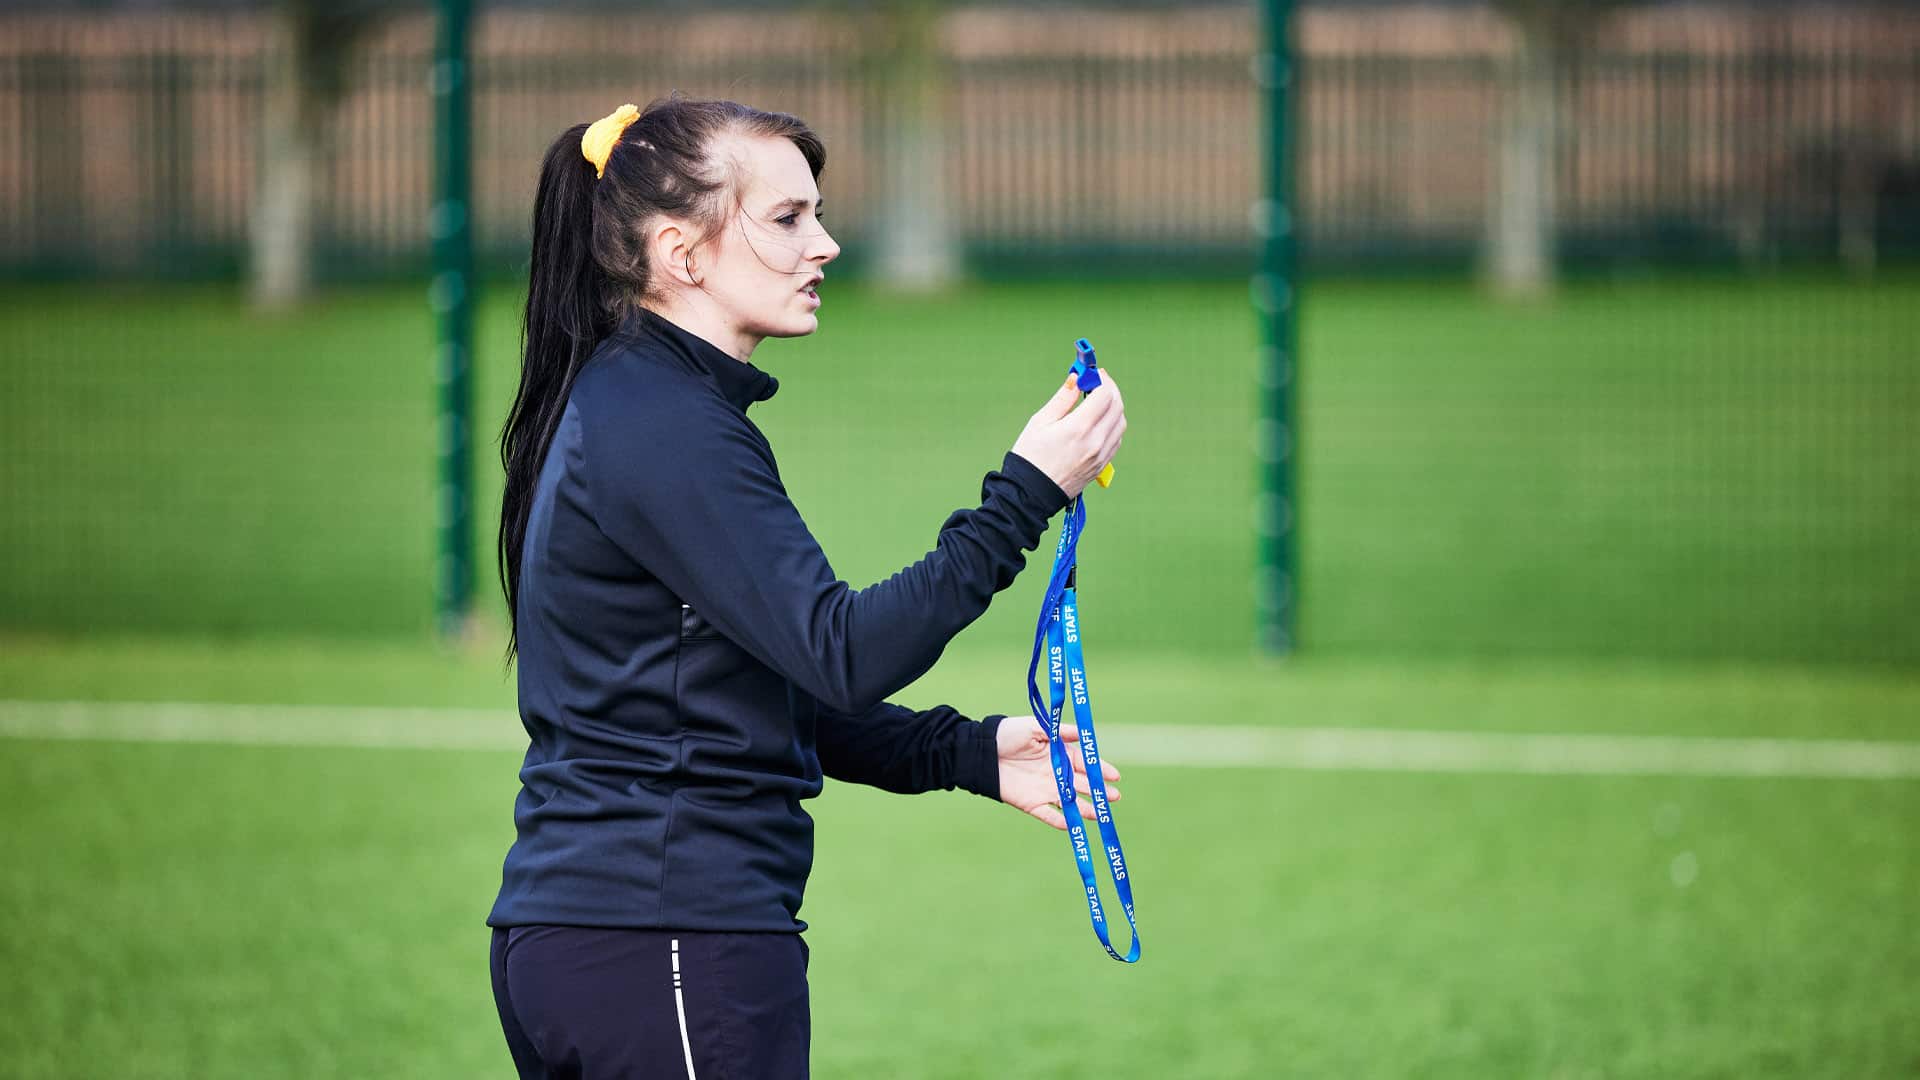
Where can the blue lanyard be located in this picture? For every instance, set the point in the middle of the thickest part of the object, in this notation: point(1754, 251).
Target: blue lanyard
point(1059, 633)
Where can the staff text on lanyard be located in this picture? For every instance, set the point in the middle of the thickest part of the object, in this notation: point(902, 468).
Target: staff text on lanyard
point(1058, 636)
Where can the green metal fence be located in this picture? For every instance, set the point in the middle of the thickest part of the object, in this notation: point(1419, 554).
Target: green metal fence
point(1704, 451)
point(1121, 141)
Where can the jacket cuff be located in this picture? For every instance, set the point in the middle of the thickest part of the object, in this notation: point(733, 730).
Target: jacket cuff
point(976, 765)
point(1050, 498)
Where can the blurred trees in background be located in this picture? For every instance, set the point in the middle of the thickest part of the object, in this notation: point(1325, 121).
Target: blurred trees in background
point(313, 42)
point(293, 141)
point(900, 52)
point(1520, 258)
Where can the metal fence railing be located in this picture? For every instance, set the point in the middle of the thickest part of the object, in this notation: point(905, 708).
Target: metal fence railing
point(130, 142)
point(1704, 466)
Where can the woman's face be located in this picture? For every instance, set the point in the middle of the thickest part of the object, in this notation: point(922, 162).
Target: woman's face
point(761, 268)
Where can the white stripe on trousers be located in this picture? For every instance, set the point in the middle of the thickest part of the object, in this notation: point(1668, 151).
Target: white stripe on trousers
point(680, 1006)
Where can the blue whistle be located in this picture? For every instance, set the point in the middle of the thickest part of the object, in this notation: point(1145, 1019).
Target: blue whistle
point(1088, 370)
point(1085, 366)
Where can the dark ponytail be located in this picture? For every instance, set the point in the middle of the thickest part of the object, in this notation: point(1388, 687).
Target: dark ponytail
point(564, 322)
point(589, 267)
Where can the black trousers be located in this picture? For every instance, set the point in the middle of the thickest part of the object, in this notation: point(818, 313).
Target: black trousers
point(598, 1004)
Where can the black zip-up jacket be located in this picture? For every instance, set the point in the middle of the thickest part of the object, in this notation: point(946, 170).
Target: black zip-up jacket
point(691, 667)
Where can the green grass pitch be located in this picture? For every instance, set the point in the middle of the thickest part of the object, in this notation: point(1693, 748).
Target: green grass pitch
point(226, 911)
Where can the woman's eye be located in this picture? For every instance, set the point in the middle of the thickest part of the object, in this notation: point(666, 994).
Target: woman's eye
point(788, 220)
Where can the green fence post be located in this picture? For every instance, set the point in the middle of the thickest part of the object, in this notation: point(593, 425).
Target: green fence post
point(451, 295)
point(1276, 297)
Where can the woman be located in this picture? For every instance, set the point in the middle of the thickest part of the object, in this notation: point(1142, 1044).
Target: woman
point(690, 667)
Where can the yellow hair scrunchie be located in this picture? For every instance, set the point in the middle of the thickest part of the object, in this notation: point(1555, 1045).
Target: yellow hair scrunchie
point(598, 142)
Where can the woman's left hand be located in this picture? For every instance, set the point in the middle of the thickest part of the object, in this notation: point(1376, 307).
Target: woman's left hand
point(1026, 772)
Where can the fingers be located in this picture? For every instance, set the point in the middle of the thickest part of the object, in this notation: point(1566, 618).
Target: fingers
point(1062, 401)
point(1108, 430)
point(1050, 814)
point(1081, 785)
point(1094, 407)
point(1070, 732)
point(1106, 426)
point(1112, 388)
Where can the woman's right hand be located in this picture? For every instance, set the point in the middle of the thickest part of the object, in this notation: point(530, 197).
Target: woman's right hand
point(1072, 445)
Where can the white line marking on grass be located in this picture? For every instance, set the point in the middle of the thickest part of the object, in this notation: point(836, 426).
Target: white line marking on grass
point(1377, 749)
point(1207, 746)
point(269, 725)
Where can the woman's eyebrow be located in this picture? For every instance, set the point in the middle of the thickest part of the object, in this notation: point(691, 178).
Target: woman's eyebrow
point(795, 204)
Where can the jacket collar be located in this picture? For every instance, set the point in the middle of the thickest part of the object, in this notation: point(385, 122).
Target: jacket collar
point(739, 382)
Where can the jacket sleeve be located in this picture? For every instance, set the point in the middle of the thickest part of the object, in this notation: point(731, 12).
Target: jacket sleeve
point(894, 748)
point(687, 486)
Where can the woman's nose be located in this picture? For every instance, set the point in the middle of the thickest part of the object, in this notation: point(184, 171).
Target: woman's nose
point(826, 250)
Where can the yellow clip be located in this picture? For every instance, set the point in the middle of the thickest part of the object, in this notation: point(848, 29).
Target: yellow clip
point(1106, 475)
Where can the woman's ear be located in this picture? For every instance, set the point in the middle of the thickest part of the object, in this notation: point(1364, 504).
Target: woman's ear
point(672, 251)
